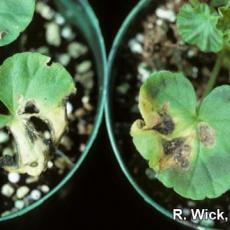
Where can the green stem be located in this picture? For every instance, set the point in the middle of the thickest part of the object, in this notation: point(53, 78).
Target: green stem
point(213, 75)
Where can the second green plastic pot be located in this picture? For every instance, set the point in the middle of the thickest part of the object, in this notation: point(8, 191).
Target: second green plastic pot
point(79, 14)
point(121, 39)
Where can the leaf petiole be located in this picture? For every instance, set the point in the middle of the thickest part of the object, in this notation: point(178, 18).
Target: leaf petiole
point(214, 74)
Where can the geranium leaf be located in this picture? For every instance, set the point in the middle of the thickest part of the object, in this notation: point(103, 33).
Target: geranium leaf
point(197, 25)
point(15, 16)
point(194, 156)
point(29, 79)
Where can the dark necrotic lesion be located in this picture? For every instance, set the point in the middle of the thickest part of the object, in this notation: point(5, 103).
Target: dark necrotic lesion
point(173, 146)
point(36, 127)
point(178, 150)
point(166, 125)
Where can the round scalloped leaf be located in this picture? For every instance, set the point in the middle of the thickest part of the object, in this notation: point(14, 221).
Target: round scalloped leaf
point(15, 16)
point(29, 80)
point(193, 160)
point(197, 25)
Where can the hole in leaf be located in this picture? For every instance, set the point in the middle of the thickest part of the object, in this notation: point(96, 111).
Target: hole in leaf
point(50, 62)
point(30, 108)
point(44, 130)
point(39, 124)
point(3, 109)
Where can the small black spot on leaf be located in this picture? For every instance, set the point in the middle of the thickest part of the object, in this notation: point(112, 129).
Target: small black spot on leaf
point(50, 62)
point(30, 108)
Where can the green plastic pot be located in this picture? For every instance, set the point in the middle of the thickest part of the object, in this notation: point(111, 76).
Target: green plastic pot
point(80, 14)
point(122, 35)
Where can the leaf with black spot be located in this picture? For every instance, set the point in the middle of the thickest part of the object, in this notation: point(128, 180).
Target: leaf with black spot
point(26, 79)
point(194, 157)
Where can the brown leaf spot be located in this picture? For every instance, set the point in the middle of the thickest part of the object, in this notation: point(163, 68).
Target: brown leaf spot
point(173, 146)
point(206, 135)
point(176, 153)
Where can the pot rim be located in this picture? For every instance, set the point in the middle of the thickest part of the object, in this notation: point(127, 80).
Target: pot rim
point(101, 52)
point(108, 116)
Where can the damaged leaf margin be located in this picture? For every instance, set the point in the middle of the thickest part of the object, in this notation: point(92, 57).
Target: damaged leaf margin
point(191, 151)
point(15, 16)
point(30, 79)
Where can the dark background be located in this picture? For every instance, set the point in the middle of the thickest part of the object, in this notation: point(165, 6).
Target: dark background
point(98, 196)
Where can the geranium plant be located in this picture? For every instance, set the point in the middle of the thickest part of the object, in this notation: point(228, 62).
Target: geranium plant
point(185, 139)
point(31, 86)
